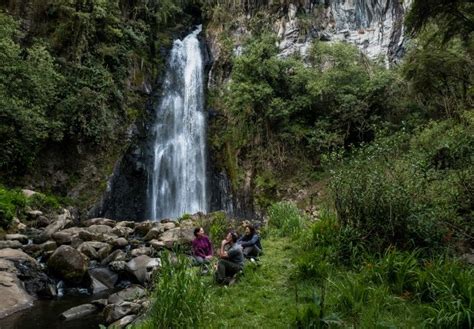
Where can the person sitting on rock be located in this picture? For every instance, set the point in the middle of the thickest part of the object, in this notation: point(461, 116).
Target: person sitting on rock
point(250, 242)
point(231, 259)
point(202, 248)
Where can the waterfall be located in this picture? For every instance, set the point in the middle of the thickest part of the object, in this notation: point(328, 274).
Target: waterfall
point(178, 176)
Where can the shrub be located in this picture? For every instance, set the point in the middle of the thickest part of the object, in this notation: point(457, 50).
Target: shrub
point(286, 219)
point(180, 299)
point(408, 190)
point(11, 203)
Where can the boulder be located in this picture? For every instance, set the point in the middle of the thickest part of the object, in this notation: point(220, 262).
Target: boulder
point(113, 312)
point(14, 297)
point(28, 193)
point(104, 278)
point(48, 246)
point(79, 312)
point(99, 221)
point(154, 233)
point(68, 263)
point(134, 292)
point(141, 267)
point(125, 223)
point(95, 249)
point(143, 227)
point(62, 237)
point(33, 250)
point(168, 225)
point(157, 245)
point(34, 214)
point(118, 266)
point(177, 236)
point(61, 222)
point(117, 255)
point(88, 236)
point(123, 322)
point(14, 263)
point(17, 237)
point(16, 255)
point(42, 221)
point(120, 243)
point(142, 251)
point(122, 231)
point(13, 244)
point(100, 303)
point(99, 229)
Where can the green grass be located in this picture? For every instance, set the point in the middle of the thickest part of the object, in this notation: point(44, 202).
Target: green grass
point(302, 283)
point(263, 297)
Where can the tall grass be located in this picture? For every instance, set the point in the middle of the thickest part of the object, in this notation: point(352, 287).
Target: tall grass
point(180, 298)
point(285, 218)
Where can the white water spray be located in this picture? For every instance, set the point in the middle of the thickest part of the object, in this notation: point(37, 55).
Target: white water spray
point(178, 180)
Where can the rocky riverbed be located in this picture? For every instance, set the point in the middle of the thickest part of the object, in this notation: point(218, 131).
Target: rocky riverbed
point(45, 258)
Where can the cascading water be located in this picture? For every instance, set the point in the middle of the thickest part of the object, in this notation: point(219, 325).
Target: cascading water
point(178, 176)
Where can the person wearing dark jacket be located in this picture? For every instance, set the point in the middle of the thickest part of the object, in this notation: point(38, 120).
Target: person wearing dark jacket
point(250, 242)
point(231, 259)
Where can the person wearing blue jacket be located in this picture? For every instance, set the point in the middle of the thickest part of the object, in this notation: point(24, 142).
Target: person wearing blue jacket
point(250, 242)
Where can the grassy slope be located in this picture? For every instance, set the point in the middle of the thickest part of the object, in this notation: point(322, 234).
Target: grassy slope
point(266, 297)
point(263, 297)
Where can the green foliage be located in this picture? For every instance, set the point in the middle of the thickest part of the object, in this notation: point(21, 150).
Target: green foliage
point(43, 202)
point(219, 227)
point(440, 75)
point(180, 299)
point(11, 203)
point(409, 191)
point(28, 88)
point(286, 218)
point(454, 17)
point(76, 75)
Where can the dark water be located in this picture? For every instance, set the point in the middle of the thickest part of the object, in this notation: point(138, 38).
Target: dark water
point(45, 315)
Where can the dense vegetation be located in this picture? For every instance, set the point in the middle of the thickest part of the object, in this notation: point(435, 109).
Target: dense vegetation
point(77, 73)
point(393, 147)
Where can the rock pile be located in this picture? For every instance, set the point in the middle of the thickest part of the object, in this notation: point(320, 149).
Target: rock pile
point(95, 255)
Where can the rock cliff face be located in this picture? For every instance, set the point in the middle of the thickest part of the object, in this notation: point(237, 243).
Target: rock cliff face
point(375, 26)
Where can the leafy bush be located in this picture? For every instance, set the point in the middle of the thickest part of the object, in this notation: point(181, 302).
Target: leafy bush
point(180, 299)
point(11, 203)
point(286, 218)
point(408, 190)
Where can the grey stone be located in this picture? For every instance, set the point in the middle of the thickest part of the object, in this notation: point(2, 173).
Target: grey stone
point(123, 322)
point(100, 229)
point(34, 214)
point(118, 266)
point(113, 312)
point(17, 237)
point(99, 221)
point(14, 297)
point(154, 233)
point(68, 263)
point(142, 251)
point(120, 243)
point(157, 245)
point(61, 222)
point(134, 292)
point(10, 244)
point(141, 267)
point(62, 237)
point(49, 246)
point(104, 276)
point(79, 312)
point(117, 255)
